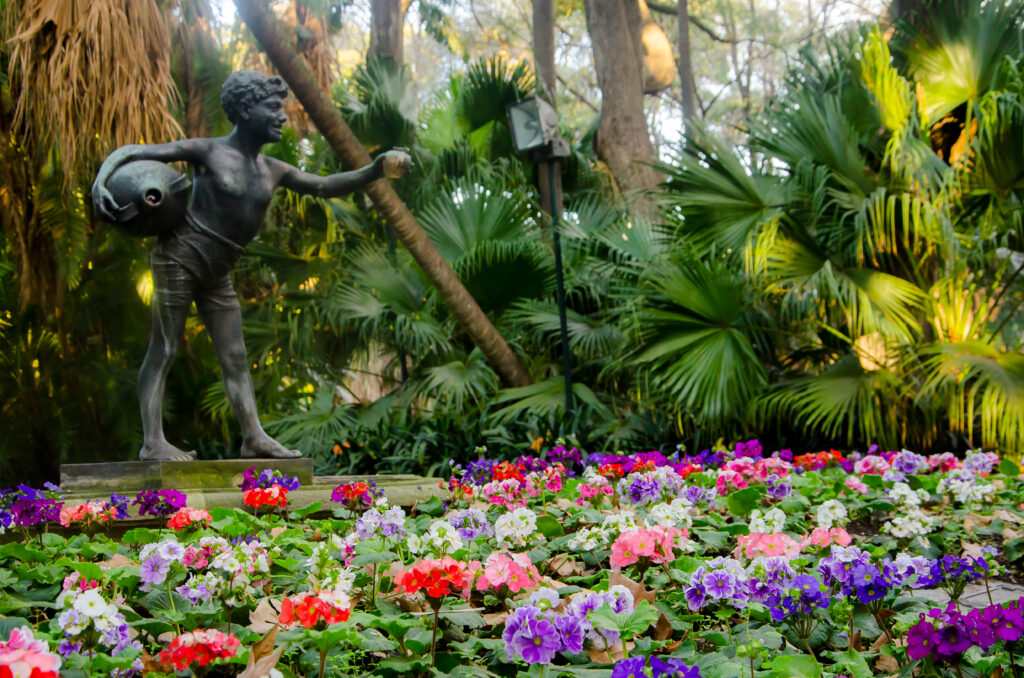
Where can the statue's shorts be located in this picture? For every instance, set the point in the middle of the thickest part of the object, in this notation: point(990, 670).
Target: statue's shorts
point(193, 264)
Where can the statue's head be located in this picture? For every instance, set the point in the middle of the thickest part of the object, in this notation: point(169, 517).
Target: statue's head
point(245, 94)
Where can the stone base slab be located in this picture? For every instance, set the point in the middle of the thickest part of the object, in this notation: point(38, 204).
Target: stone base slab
point(133, 476)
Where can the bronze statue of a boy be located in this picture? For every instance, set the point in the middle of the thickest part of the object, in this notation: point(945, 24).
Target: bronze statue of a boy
point(232, 188)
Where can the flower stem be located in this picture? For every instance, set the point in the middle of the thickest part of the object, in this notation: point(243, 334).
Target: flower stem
point(323, 660)
point(433, 637)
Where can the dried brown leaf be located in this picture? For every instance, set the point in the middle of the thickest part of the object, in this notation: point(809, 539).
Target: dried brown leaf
point(663, 629)
point(887, 665)
point(264, 617)
point(255, 668)
point(638, 590)
point(264, 647)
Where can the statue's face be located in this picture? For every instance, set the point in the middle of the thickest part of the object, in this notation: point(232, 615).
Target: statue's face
point(267, 117)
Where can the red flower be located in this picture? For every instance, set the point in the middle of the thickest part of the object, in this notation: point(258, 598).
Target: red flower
point(199, 646)
point(275, 495)
point(308, 609)
point(506, 470)
point(435, 578)
point(611, 471)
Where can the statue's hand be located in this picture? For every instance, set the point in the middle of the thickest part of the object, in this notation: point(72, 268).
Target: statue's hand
point(103, 204)
point(396, 162)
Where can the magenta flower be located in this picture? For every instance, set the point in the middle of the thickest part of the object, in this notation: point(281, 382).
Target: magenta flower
point(921, 639)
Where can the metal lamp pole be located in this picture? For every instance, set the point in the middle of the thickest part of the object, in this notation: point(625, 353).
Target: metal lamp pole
point(556, 210)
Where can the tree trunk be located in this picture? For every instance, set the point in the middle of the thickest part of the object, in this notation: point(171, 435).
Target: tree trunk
point(685, 66)
point(547, 79)
point(544, 48)
point(328, 120)
point(387, 17)
point(623, 140)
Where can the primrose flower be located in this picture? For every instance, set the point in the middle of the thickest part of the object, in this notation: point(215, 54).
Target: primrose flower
point(23, 656)
point(515, 528)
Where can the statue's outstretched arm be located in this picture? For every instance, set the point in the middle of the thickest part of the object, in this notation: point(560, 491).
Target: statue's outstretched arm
point(187, 150)
point(392, 164)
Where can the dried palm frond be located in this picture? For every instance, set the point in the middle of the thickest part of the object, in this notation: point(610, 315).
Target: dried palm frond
point(90, 75)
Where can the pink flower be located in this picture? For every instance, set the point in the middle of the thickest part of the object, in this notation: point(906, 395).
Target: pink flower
point(654, 544)
point(508, 572)
point(856, 484)
point(824, 537)
point(22, 654)
point(730, 480)
point(871, 464)
point(772, 545)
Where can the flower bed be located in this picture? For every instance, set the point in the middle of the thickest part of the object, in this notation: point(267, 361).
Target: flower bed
point(727, 564)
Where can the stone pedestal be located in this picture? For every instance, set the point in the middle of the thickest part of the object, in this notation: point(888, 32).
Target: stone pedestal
point(210, 484)
point(133, 476)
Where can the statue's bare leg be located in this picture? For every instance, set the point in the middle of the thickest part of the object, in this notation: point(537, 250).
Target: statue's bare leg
point(168, 326)
point(225, 327)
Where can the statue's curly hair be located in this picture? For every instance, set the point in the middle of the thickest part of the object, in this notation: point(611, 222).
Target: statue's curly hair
point(243, 89)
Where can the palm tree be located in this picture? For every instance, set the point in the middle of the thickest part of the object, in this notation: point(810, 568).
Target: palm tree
point(875, 246)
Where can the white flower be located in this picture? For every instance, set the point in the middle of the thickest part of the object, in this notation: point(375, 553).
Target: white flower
point(91, 604)
point(588, 539)
point(966, 488)
point(831, 513)
point(617, 523)
point(171, 550)
point(911, 524)
point(771, 521)
point(902, 495)
point(515, 528)
point(674, 514)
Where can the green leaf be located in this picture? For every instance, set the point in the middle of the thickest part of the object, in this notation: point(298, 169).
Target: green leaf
point(305, 511)
point(799, 666)
point(549, 527)
point(91, 571)
point(374, 557)
point(1008, 468)
point(717, 540)
point(852, 663)
point(742, 502)
point(140, 535)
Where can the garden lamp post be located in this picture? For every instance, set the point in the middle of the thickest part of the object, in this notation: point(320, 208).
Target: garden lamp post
point(534, 125)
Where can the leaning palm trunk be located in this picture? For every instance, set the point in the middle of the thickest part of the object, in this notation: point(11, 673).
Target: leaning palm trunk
point(330, 123)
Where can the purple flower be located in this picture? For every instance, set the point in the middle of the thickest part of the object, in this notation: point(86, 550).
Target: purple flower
point(979, 462)
point(154, 570)
point(751, 448)
point(569, 458)
point(573, 634)
point(631, 667)
point(66, 648)
point(537, 641)
point(471, 523)
point(719, 584)
point(640, 488)
point(159, 503)
point(952, 640)
point(696, 596)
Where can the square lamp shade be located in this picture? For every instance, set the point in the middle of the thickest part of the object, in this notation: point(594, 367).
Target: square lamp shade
point(534, 124)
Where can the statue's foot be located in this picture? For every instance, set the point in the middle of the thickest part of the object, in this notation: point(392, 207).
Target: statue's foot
point(265, 447)
point(164, 451)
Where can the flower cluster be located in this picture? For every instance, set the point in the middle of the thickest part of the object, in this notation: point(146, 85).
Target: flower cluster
point(440, 539)
point(387, 523)
point(434, 578)
point(267, 479)
point(159, 503)
point(515, 528)
point(758, 544)
point(24, 656)
point(88, 514)
point(964, 487)
point(275, 495)
point(945, 635)
point(361, 495)
point(852, 572)
point(308, 609)
point(187, 517)
point(646, 546)
point(535, 634)
point(25, 506)
point(471, 523)
point(88, 618)
point(199, 646)
point(654, 667)
point(506, 573)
